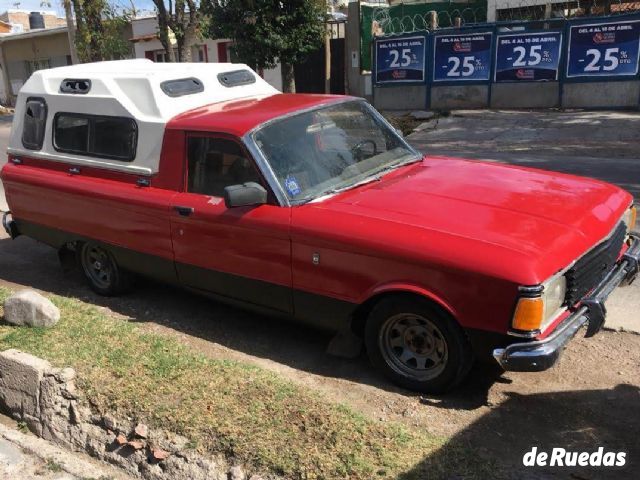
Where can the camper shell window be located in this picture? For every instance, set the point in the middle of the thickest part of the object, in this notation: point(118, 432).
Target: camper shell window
point(35, 120)
point(95, 135)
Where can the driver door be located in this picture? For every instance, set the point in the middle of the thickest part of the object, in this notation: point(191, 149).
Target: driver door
point(241, 253)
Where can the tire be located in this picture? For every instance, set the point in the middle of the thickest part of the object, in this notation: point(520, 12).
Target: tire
point(103, 274)
point(417, 345)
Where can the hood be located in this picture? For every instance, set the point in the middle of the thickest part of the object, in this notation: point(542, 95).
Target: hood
point(548, 219)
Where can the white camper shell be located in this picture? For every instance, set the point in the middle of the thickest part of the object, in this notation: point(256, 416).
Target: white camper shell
point(147, 93)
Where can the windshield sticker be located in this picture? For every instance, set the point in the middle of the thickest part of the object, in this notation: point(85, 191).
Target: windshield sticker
point(291, 185)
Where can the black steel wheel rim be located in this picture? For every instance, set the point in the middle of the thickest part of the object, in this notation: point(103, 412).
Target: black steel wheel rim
point(97, 266)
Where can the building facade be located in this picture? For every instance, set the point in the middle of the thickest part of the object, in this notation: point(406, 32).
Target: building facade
point(23, 53)
point(146, 44)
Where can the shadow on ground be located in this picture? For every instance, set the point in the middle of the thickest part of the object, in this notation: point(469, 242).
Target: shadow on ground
point(27, 262)
point(589, 419)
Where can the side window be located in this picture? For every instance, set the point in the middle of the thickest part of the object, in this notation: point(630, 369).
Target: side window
point(216, 163)
point(35, 121)
point(95, 135)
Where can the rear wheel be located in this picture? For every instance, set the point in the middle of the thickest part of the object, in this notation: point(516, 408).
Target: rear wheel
point(102, 272)
point(417, 345)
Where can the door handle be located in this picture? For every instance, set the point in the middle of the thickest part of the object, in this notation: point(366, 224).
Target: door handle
point(184, 211)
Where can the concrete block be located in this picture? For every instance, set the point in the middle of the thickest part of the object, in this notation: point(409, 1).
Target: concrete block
point(525, 95)
point(601, 95)
point(453, 97)
point(20, 377)
point(400, 98)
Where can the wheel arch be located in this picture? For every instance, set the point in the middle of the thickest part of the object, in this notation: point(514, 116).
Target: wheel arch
point(361, 312)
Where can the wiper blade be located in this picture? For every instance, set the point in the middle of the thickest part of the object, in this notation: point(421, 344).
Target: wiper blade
point(333, 191)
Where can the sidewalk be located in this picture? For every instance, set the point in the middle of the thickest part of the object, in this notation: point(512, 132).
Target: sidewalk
point(26, 457)
point(598, 144)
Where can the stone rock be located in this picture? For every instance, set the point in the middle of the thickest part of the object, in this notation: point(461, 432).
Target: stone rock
point(422, 115)
point(29, 308)
point(141, 430)
point(236, 473)
point(109, 422)
point(158, 454)
point(256, 477)
point(65, 375)
point(121, 439)
point(136, 444)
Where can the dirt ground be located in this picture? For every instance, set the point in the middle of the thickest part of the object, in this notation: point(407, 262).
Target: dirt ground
point(590, 399)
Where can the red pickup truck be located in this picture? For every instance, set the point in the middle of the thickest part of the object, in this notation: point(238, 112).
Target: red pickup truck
point(314, 208)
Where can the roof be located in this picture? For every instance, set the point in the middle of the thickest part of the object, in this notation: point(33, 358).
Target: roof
point(136, 85)
point(238, 117)
point(41, 32)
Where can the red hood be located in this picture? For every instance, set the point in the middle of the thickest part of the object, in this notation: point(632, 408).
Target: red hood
point(482, 214)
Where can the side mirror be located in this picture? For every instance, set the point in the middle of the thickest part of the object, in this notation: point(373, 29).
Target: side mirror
point(250, 193)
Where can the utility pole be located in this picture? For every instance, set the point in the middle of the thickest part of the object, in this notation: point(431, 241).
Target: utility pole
point(327, 52)
point(71, 31)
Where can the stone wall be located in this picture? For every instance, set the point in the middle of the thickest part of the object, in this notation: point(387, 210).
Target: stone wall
point(47, 401)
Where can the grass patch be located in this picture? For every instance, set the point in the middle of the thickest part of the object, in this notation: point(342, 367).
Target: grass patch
point(229, 407)
point(53, 466)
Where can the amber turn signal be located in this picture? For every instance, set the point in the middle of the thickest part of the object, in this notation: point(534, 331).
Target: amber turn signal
point(529, 314)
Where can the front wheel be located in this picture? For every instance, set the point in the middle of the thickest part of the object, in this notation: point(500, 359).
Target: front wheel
point(102, 272)
point(417, 345)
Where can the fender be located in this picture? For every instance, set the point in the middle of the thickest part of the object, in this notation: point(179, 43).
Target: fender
point(405, 287)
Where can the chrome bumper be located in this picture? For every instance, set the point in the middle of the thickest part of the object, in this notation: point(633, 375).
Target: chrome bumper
point(536, 356)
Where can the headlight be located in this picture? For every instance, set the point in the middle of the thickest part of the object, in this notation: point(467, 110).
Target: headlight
point(630, 217)
point(537, 310)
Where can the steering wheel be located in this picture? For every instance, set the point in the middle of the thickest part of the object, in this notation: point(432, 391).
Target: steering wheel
point(356, 150)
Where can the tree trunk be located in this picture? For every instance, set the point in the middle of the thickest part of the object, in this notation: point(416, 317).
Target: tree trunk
point(288, 78)
point(71, 32)
point(81, 34)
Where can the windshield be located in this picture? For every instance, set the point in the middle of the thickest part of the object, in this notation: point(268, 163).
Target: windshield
point(331, 148)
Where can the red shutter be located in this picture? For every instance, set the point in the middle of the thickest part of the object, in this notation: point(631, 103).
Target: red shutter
point(222, 52)
point(149, 54)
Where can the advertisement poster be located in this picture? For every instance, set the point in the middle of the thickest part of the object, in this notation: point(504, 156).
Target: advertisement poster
point(400, 60)
point(462, 57)
point(604, 49)
point(528, 57)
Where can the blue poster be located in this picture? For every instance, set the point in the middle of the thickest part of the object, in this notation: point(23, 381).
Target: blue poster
point(400, 60)
point(462, 57)
point(604, 49)
point(528, 57)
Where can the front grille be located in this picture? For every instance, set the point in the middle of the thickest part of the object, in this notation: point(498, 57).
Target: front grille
point(587, 272)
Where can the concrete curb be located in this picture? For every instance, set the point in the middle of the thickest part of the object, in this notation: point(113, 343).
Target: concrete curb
point(71, 463)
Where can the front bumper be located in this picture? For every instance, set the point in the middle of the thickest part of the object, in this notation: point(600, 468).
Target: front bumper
point(536, 356)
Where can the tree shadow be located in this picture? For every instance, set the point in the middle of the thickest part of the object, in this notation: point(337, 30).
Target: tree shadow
point(578, 421)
